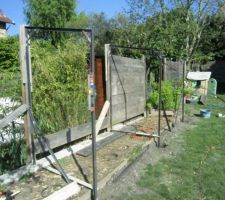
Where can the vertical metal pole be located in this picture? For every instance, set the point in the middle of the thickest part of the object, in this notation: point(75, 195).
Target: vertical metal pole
point(145, 89)
point(183, 86)
point(160, 101)
point(94, 163)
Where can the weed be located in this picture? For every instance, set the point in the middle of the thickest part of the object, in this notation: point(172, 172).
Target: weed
point(135, 153)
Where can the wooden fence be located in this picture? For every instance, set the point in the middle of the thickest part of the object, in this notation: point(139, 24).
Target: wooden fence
point(126, 88)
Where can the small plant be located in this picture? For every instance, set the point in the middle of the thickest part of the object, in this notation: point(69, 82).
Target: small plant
point(2, 189)
point(135, 153)
point(169, 95)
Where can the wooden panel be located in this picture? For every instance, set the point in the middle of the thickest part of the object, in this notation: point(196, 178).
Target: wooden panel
point(124, 79)
point(100, 84)
point(125, 63)
point(127, 88)
point(121, 98)
point(65, 136)
point(12, 116)
point(121, 113)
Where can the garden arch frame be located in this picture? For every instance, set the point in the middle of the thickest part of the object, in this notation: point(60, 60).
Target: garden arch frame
point(149, 51)
point(25, 63)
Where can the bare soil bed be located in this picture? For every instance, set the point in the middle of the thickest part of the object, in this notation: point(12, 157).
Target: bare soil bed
point(43, 183)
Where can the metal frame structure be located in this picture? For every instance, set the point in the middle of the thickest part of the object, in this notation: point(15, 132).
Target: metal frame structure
point(25, 61)
point(159, 54)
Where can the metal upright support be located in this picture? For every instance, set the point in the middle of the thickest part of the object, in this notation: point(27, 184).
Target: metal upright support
point(164, 113)
point(160, 101)
point(94, 195)
point(183, 87)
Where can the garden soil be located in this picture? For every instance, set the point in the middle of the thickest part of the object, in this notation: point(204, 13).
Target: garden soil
point(43, 183)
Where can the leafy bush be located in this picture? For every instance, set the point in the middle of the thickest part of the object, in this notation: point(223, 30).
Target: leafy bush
point(12, 155)
point(169, 95)
point(10, 78)
point(59, 84)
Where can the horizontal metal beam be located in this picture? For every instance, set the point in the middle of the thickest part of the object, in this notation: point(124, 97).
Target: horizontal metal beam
point(58, 29)
point(14, 115)
point(150, 50)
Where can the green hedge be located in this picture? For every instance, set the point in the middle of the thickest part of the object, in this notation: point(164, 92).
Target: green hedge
point(59, 84)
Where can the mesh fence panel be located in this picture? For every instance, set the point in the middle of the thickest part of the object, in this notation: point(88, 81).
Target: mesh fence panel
point(59, 80)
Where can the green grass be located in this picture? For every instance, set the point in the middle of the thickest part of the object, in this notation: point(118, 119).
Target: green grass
point(196, 173)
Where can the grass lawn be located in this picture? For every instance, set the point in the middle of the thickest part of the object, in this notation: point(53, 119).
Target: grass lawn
point(198, 172)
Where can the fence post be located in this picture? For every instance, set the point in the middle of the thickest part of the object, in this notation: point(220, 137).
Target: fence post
point(26, 91)
point(108, 84)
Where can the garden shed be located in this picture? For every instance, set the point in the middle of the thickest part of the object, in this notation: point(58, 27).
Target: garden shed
point(199, 81)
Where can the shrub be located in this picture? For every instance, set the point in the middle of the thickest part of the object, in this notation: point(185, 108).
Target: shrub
point(59, 84)
point(169, 95)
point(10, 78)
point(12, 155)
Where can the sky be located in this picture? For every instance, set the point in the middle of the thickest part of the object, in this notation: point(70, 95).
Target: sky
point(14, 10)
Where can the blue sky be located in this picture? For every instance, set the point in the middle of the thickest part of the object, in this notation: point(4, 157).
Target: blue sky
point(14, 9)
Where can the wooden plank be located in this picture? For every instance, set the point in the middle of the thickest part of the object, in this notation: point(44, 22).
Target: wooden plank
point(14, 115)
point(65, 193)
point(83, 183)
point(87, 151)
point(130, 98)
point(127, 89)
point(130, 105)
point(125, 62)
point(102, 116)
point(127, 80)
point(65, 136)
point(121, 115)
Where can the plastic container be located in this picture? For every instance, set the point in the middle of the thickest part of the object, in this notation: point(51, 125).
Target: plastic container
point(205, 113)
point(212, 87)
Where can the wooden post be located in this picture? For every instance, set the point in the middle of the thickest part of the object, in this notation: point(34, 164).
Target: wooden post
point(108, 83)
point(26, 92)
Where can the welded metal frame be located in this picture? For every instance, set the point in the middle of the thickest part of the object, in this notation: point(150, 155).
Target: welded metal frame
point(28, 90)
point(161, 57)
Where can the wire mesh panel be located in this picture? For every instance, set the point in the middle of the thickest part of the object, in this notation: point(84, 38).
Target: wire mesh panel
point(173, 70)
point(127, 88)
point(59, 65)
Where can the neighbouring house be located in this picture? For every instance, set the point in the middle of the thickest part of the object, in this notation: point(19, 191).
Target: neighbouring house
point(3, 24)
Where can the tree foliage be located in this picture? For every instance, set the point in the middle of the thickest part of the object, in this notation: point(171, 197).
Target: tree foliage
point(9, 53)
point(174, 27)
point(49, 13)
